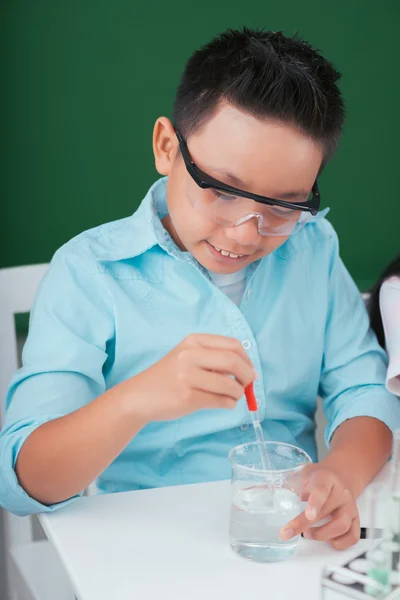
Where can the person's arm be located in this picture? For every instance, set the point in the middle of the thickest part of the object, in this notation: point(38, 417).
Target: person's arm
point(193, 376)
point(389, 302)
point(361, 414)
point(63, 456)
point(359, 449)
point(71, 325)
point(63, 427)
point(354, 366)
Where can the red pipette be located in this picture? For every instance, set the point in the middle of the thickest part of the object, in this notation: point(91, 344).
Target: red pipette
point(250, 398)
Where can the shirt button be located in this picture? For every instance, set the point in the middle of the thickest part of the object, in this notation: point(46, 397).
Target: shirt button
point(248, 293)
point(244, 427)
point(246, 344)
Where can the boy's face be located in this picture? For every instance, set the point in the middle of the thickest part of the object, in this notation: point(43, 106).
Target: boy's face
point(268, 157)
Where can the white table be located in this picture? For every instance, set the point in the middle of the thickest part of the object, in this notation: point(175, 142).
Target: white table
point(172, 543)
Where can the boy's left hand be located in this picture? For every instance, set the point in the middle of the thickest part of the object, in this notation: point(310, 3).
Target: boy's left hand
point(327, 496)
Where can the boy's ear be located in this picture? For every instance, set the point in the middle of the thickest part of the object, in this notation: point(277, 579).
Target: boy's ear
point(165, 145)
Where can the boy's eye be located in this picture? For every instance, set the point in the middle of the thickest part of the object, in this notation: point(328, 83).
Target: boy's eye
point(287, 212)
point(223, 196)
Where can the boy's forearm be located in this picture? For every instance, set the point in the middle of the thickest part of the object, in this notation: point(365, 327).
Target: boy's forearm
point(359, 449)
point(64, 456)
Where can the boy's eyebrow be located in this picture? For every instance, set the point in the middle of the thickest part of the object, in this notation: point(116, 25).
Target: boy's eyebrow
point(237, 182)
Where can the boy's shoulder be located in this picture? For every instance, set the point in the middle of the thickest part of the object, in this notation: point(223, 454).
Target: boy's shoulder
point(318, 235)
point(98, 243)
point(120, 239)
point(320, 230)
point(109, 242)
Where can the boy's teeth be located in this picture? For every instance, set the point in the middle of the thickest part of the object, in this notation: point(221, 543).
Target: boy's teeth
point(225, 253)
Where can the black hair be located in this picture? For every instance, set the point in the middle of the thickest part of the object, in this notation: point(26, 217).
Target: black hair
point(266, 74)
point(393, 269)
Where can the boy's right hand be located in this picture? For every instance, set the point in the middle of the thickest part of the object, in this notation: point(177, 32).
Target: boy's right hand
point(202, 372)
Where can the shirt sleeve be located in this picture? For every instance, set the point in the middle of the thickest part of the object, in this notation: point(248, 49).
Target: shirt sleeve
point(389, 301)
point(63, 358)
point(354, 366)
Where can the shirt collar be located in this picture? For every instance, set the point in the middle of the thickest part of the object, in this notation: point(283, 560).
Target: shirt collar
point(144, 229)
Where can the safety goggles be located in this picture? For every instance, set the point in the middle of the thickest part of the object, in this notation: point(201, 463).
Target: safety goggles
point(228, 206)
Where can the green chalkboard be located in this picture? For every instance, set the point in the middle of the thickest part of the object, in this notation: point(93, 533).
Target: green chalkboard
point(83, 82)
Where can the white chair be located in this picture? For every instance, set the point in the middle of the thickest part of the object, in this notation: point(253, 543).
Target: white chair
point(34, 570)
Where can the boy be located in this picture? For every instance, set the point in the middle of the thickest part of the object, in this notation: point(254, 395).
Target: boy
point(145, 331)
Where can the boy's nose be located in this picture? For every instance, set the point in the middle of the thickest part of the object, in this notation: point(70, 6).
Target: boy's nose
point(245, 234)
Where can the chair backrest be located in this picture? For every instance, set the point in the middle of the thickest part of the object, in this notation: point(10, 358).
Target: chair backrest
point(18, 286)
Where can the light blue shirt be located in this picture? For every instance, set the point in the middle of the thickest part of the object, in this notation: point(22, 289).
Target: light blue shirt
point(117, 298)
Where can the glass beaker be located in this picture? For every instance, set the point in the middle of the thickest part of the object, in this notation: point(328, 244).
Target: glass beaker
point(262, 502)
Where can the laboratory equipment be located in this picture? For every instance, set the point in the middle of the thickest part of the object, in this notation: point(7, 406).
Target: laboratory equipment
point(264, 500)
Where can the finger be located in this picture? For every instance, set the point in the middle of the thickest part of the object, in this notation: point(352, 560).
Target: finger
point(340, 524)
point(339, 497)
point(318, 507)
point(204, 400)
point(223, 362)
point(216, 383)
point(348, 539)
point(322, 490)
point(217, 342)
point(294, 527)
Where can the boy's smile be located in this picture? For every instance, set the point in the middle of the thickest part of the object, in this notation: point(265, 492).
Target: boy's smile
point(271, 158)
point(226, 257)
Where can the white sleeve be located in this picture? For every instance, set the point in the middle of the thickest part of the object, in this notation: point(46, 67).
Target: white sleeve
point(389, 300)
